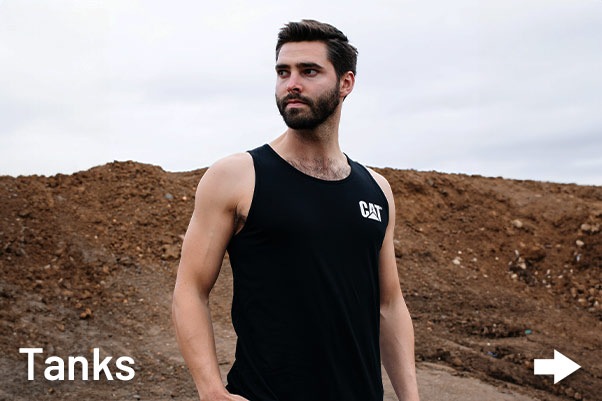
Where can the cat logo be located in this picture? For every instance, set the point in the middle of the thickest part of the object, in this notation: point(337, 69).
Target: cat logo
point(370, 210)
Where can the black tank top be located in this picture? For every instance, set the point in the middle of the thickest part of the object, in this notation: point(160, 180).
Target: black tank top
point(306, 293)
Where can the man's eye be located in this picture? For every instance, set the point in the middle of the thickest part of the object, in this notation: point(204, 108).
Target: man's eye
point(282, 73)
point(311, 72)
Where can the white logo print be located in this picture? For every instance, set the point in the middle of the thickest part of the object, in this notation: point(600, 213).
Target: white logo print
point(370, 210)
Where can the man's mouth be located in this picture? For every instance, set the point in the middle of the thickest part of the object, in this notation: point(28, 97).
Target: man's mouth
point(295, 102)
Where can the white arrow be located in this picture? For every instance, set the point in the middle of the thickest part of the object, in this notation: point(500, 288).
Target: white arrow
point(560, 366)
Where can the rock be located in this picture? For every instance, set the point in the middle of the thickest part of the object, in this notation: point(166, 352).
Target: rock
point(517, 223)
point(86, 314)
point(24, 213)
point(580, 243)
point(171, 251)
point(590, 228)
point(457, 362)
point(534, 253)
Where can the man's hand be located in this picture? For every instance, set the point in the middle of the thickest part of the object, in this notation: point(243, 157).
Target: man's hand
point(226, 397)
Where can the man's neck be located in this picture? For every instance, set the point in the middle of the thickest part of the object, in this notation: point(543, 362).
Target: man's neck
point(316, 152)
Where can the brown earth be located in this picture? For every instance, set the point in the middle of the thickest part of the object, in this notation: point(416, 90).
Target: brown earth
point(495, 272)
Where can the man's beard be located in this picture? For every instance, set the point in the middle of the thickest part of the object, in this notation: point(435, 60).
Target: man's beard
point(319, 110)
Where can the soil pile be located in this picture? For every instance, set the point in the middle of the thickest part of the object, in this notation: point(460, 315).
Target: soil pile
point(495, 272)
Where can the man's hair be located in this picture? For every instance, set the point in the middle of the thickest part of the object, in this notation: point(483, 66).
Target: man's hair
point(341, 54)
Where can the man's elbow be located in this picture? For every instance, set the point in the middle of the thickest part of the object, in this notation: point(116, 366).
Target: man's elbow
point(391, 299)
point(182, 298)
point(175, 306)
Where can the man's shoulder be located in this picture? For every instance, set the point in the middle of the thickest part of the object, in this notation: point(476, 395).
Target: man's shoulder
point(232, 161)
point(380, 180)
point(228, 177)
point(234, 164)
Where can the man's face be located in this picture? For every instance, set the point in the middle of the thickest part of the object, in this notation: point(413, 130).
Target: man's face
point(307, 88)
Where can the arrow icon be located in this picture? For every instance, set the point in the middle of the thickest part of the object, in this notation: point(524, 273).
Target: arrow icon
point(560, 366)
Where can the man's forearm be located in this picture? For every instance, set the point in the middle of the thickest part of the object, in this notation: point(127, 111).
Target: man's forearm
point(397, 349)
point(194, 333)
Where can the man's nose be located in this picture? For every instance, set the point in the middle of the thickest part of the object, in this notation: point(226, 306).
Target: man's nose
point(293, 84)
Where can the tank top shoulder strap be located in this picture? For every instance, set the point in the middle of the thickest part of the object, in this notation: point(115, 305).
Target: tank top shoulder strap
point(262, 153)
point(263, 159)
point(366, 176)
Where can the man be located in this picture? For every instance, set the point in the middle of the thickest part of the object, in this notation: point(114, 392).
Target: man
point(317, 301)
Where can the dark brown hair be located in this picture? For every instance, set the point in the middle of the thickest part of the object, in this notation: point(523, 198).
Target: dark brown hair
point(341, 54)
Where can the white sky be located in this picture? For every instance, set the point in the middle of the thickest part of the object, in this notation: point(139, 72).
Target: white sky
point(508, 88)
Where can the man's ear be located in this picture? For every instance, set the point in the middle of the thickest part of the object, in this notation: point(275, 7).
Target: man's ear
point(346, 83)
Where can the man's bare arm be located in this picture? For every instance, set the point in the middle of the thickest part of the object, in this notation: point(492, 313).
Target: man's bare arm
point(211, 227)
point(396, 329)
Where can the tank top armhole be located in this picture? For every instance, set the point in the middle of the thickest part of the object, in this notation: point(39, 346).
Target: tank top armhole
point(382, 193)
point(251, 208)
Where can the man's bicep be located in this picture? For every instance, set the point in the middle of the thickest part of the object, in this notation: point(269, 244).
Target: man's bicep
point(388, 276)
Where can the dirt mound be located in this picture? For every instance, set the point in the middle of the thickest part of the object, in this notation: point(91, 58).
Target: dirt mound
point(495, 272)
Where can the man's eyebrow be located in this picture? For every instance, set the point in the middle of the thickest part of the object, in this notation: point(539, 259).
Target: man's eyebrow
point(300, 66)
point(310, 65)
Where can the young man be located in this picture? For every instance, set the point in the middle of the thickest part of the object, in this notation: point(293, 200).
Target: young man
point(317, 301)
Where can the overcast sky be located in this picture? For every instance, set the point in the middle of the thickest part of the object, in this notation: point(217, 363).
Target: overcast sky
point(509, 88)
